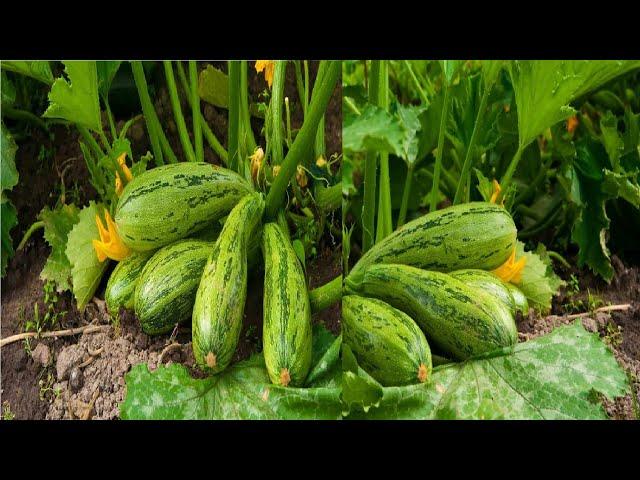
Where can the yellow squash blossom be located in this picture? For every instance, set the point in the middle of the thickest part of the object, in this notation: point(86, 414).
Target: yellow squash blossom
point(256, 163)
point(496, 193)
point(110, 244)
point(268, 66)
point(321, 162)
point(127, 173)
point(511, 271)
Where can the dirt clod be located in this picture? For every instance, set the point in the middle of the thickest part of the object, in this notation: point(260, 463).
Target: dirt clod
point(76, 379)
point(41, 355)
point(68, 358)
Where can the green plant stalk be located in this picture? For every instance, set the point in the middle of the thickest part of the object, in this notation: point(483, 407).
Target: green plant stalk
point(112, 123)
point(329, 199)
point(275, 107)
point(423, 96)
point(212, 140)
point(35, 226)
point(522, 197)
point(105, 141)
point(17, 114)
point(370, 170)
point(466, 167)
point(352, 106)
point(528, 212)
point(183, 134)
point(98, 181)
point(147, 110)
point(195, 112)
point(319, 147)
point(233, 134)
point(559, 257)
point(88, 138)
point(384, 226)
point(547, 220)
point(438, 165)
point(300, 86)
point(306, 86)
point(303, 142)
point(244, 105)
point(402, 216)
point(505, 182)
point(326, 295)
point(288, 112)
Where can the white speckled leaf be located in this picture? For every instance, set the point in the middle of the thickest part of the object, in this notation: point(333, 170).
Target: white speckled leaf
point(551, 377)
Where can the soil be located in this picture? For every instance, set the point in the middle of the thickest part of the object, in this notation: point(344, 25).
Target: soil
point(30, 386)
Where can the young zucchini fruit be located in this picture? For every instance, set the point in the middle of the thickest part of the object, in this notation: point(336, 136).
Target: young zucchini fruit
point(221, 295)
point(471, 235)
point(387, 343)
point(171, 202)
point(488, 282)
point(519, 299)
point(122, 282)
point(287, 313)
point(462, 321)
point(167, 286)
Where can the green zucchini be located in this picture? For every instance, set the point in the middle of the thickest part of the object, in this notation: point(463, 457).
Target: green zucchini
point(287, 313)
point(471, 235)
point(167, 287)
point(122, 282)
point(519, 299)
point(488, 282)
point(386, 342)
point(220, 298)
point(460, 320)
point(172, 202)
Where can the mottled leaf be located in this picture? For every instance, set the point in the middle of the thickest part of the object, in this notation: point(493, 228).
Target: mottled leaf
point(57, 225)
point(38, 69)
point(106, 71)
point(8, 150)
point(375, 130)
point(539, 282)
point(86, 269)
point(76, 99)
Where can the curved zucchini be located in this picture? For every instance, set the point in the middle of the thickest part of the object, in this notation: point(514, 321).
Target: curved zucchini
point(461, 321)
point(167, 287)
point(220, 298)
point(488, 282)
point(122, 282)
point(387, 343)
point(171, 202)
point(471, 235)
point(287, 313)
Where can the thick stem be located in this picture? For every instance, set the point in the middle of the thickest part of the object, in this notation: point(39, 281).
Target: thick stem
point(423, 96)
point(17, 114)
point(234, 113)
point(300, 86)
point(183, 134)
point(112, 123)
point(326, 295)
point(385, 225)
point(244, 106)
point(212, 140)
point(148, 111)
point(405, 197)
point(466, 167)
point(195, 112)
point(288, 114)
point(505, 182)
point(304, 139)
point(438, 165)
point(275, 107)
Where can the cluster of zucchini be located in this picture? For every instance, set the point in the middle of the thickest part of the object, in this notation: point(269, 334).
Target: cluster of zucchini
point(429, 284)
point(184, 269)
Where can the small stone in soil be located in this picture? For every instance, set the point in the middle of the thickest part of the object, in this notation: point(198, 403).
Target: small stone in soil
point(68, 358)
point(41, 354)
point(76, 379)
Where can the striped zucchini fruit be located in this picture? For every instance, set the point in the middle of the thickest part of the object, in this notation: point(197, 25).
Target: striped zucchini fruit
point(519, 299)
point(171, 202)
point(167, 287)
point(387, 343)
point(460, 320)
point(488, 282)
point(472, 235)
point(122, 282)
point(221, 295)
point(287, 313)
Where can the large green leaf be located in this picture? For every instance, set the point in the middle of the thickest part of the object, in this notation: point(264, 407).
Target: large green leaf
point(243, 391)
point(409, 117)
point(106, 70)
point(7, 158)
point(545, 88)
point(76, 100)
point(375, 130)
point(86, 269)
point(57, 225)
point(213, 87)
point(38, 69)
point(555, 376)
point(539, 282)
point(9, 219)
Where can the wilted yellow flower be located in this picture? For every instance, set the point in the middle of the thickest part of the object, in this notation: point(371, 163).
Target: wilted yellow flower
point(256, 163)
point(276, 170)
point(496, 192)
point(301, 176)
point(321, 162)
point(110, 244)
point(123, 163)
point(268, 66)
point(511, 271)
point(572, 123)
